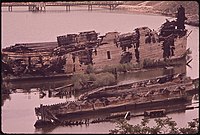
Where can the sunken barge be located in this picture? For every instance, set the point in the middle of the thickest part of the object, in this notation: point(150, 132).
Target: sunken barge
point(73, 53)
point(161, 92)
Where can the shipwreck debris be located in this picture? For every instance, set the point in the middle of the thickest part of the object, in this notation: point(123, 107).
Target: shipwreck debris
point(123, 97)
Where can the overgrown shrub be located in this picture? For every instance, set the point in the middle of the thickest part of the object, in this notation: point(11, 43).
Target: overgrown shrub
point(120, 67)
point(77, 79)
point(147, 63)
point(101, 79)
point(109, 69)
point(89, 69)
point(104, 79)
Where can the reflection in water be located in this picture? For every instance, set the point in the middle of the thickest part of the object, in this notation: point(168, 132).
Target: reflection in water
point(50, 88)
point(4, 97)
point(42, 84)
point(136, 76)
point(45, 130)
point(46, 92)
point(39, 93)
point(5, 92)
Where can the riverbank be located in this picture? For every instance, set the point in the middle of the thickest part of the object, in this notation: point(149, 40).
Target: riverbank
point(162, 8)
point(192, 20)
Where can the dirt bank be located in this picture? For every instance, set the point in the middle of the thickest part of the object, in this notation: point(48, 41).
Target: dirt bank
point(163, 8)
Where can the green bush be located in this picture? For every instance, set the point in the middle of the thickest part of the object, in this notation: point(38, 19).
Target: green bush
point(92, 77)
point(104, 79)
point(148, 63)
point(163, 126)
point(120, 67)
point(109, 69)
point(101, 79)
point(89, 69)
point(77, 79)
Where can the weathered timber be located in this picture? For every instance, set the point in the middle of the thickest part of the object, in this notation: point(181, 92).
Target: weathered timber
point(74, 52)
point(134, 97)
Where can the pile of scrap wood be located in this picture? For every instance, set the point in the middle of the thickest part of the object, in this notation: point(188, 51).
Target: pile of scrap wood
point(70, 40)
point(66, 40)
point(17, 48)
point(126, 40)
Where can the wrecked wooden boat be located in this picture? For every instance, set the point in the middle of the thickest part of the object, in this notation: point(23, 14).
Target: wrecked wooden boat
point(124, 115)
point(73, 53)
point(155, 113)
point(158, 92)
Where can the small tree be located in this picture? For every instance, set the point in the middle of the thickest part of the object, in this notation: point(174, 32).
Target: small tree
point(89, 69)
point(163, 126)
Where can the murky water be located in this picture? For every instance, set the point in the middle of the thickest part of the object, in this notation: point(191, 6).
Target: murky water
point(18, 114)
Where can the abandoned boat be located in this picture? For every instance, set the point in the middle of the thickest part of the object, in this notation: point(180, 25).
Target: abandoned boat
point(158, 92)
point(143, 48)
point(155, 113)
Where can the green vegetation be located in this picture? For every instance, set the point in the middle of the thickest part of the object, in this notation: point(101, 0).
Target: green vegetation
point(107, 76)
point(92, 80)
point(163, 126)
point(111, 68)
point(104, 79)
point(121, 67)
point(148, 63)
point(89, 69)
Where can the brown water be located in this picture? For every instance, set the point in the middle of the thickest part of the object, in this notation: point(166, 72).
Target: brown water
point(18, 114)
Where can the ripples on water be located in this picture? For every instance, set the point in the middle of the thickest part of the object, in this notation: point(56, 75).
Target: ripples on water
point(18, 114)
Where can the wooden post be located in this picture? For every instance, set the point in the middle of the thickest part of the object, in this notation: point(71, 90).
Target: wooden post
point(89, 7)
point(111, 7)
point(50, 93)
point(68, 8)
point(30, 8)
point(42, 112)
point(10, 8)
point(74, 92)
point(115, 73)
point(41, 61)
point(93, 106)
point(44, 8)
point(29, 61)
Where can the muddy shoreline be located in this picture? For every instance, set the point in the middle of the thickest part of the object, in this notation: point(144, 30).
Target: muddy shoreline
point(148, 10)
